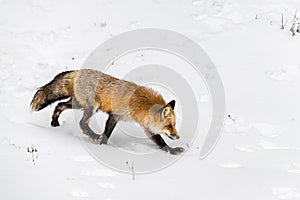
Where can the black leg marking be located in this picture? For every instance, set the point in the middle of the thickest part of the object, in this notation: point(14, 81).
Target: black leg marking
point(157, 139)
point(109, 127)
point(84, 125)
point(58, 110)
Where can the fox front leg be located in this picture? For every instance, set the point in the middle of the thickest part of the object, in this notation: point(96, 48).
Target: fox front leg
point(157, 139)
point(109, 127)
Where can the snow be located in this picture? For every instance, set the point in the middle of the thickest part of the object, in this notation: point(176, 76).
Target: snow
point(267, 130)
point(79, 193)
point(286, 193)
point(99, 172)
point(258, 155)
point(245, 147)
point(82, 158)
point(106, 185)
point(231, 165)
point(295, 168)
point(273, 146)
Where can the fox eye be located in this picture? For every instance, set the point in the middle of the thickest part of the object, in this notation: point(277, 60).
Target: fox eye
point(170, 126)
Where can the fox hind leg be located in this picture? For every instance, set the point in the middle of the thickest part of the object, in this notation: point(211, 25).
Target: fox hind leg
point(157, 139)
point(109, 127)
point(84, 125)
point(58, 110)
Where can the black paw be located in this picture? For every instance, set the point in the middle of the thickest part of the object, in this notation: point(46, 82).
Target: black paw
point(103, 139)
point(54, 123)
point(176, 150)
point(95, 138)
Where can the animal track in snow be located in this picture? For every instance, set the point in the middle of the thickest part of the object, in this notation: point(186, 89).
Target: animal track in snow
point(294, 169)
point(273, 146)
point(236, 126)
point(82, 158)
point(286, 193)
point(134, 25)
point(279, 75)
point(245, 148)
point(99, 172)
point(197, 2)
point(267, 130)
point(231, 165)
point(197, 17)
point(79, 193)
point(106, 185)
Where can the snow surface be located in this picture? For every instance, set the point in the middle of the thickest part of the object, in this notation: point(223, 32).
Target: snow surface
point(259, 154)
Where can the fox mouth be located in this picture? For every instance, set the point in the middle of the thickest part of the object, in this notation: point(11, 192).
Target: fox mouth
point(175, 137)
point(172, 138)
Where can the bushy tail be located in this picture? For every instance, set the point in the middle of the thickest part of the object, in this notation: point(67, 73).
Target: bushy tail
point(61, 87)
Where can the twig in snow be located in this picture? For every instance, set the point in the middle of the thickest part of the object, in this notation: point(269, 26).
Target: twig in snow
point(34, 153)
point(294, 27)
point(131, 167)
point(282, 24)
point(229, 116)
point(295, 24)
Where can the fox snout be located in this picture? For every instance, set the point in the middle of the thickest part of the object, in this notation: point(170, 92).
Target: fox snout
point(172, 136)
point(176, 137)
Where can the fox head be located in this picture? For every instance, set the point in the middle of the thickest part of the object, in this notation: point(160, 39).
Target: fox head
point(164, 122)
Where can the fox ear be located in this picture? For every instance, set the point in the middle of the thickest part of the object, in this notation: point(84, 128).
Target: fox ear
point(172, 104)
point(165, 111)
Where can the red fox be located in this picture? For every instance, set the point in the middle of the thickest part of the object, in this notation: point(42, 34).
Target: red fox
point(92, 90)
